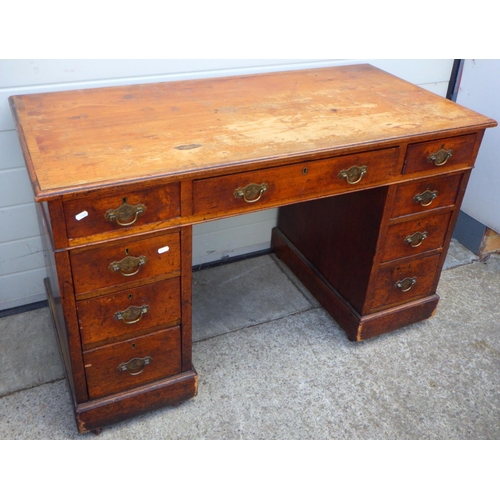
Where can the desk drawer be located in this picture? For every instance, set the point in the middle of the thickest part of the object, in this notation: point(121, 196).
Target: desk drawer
point(426, 195)
point(126, 261)
point(400, 283)
point(99, 213)
point(414, 237)
point(281, 185)
point(455, 152)
point(125, 313)
point(135, 362)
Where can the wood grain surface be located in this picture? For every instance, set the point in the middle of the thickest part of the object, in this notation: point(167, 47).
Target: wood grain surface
point(87, 138)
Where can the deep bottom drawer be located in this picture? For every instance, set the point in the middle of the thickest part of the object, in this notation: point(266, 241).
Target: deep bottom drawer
point(399, 283)
point(124, 365)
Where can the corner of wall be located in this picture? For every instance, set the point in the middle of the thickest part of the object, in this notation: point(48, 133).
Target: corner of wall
point(475, 236)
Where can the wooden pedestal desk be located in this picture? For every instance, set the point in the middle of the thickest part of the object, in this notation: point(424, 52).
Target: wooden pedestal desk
point(369, 172)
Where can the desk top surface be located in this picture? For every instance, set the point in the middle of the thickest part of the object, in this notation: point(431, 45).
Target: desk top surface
point(83, 139)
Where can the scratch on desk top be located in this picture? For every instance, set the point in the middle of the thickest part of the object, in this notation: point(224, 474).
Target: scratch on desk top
point(184, 147)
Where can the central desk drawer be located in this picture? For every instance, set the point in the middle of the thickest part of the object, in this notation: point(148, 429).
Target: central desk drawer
point(125, 313)
point(281, 185)
point(125, 261)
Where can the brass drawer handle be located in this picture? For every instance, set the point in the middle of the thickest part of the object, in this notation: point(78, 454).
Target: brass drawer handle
point(252, 192)
point(416, 239)
point(132, 314)
point(129, 266)
point(406, 284)
point(354, 174)
point(439, 158)
point(125, 215)
point(135, 366)
point(425, 198)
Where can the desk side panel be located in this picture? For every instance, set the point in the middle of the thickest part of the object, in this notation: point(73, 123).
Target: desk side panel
point(338, 236)
point(60, 293)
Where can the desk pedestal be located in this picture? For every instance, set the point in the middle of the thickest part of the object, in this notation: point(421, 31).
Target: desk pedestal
point(357, 327)
point(372, 262)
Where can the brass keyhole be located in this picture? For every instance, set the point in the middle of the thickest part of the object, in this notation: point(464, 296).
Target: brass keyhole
point(304, 171)
point(130, 297)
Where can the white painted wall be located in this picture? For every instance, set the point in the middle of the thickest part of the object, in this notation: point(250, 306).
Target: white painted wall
point(21, 261)
point(480, 90)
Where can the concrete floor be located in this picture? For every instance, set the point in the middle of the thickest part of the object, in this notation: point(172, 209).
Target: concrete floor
point(273, 365)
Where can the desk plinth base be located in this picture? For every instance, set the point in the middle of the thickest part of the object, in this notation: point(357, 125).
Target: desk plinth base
point(110, 410)
point(356, 326)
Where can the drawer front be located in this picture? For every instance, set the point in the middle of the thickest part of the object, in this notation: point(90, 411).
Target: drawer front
point(137, 309)
point(453, 152)
point(426, 195)
point(127, 261)
point(400, 283)
point(276, 186)
point(129, 364)
point(414, 237)
point(101, 213)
